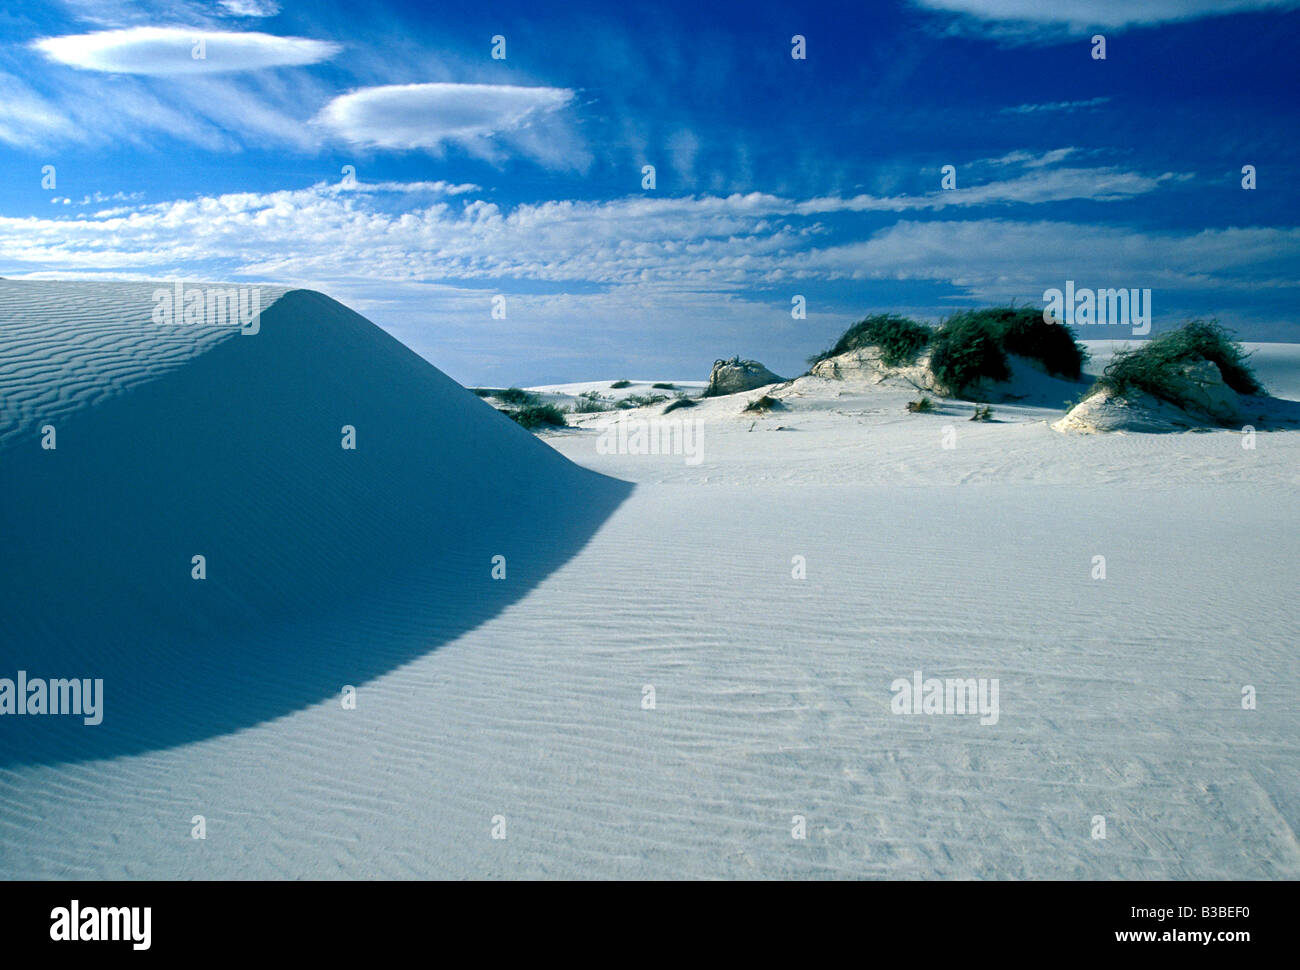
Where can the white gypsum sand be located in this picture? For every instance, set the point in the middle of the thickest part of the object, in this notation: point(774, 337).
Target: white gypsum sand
point(1118, 697)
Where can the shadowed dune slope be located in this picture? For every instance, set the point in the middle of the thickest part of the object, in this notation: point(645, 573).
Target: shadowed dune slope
point(325, 566)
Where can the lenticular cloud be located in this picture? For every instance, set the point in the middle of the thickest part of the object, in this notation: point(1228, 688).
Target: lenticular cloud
point(181, 50)
point(426, 115)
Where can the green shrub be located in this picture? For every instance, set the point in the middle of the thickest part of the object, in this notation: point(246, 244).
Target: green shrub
point(619, 385)
point(485, 391)
point(964, 353)
point(1053, 345)
point(664, 387)
point(590, 402)
point(899, 338)
point(982, 413)
point(514, 395)
point(923, 406)
point(973, 345)
point(640, 400)
point(763, 404)
point(681, 402)
point(536, 415)
point(1157, 366)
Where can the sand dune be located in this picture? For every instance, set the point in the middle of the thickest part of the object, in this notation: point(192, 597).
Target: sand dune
point(175, 442)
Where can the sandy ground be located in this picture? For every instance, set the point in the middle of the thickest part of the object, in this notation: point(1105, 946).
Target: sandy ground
point(1119, 697)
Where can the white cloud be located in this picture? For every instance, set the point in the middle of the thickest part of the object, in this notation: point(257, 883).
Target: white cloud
point(1080, 16)
point(172, 51)
point(683, 148)
point(325, 235)
point(428, 116)
point(129, 113)
point(992, 259)
point(251, 8)
point(216, 112)
point(439, 187)
point(1039, 185)
point(1050, 106)
point(28, 120)
point(690, 271)
point(1029, 159)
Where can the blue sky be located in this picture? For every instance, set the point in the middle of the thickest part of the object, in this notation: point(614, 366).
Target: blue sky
point(775, 176)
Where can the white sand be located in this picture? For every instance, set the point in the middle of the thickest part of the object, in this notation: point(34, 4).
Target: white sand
point(1118, 697)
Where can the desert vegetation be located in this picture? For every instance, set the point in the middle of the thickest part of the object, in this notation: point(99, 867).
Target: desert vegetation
point(973, 345)
point(899, 339)
point(1159, 366)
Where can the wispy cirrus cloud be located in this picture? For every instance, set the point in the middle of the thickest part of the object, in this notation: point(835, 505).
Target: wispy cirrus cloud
point(439, 187)
point(1056, 106)
point(166, 51)
point(215, 113)
point(1086, 14)
point(28, 119)
point(1029, 159)
point(1017, 178)
point(250, 8)
point(993, 259)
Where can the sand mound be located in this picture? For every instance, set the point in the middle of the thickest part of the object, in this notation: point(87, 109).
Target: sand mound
point(1029, 381)
point(864, 364)
point(1135, 411)
point(735, 376)
point(324, 565)
point(1206, 402)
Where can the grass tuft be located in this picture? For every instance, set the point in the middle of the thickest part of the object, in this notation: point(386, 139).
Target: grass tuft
point(515, 395)
point(762, 405)
point(899, 338)
point(591, 402)
point(537, 415)
point(639, 401)
point(1157, 366)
